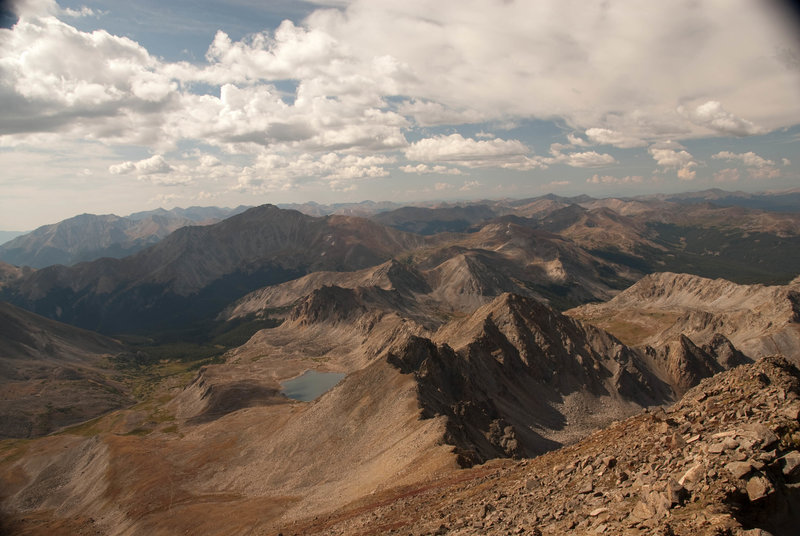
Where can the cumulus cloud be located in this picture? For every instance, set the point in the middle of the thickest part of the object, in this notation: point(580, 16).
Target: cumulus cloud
point(588, 159)
point(76, 13)
point(609, 179)
point(275, 172)
point(497, 152)
point(711, 115)
point(757, 166)
point(455, 64)
point(370, 73)
point(53, 84)
point(672, 155)
point(429, 113)
point(576, 141)
point(584, 159)
point(470, 185)
point(786, 162)
point(749, 159)
point(58, 88)
point(605, 136)
point(149, 166)
point(469, 152)
point(156, 170)
point(424, 169)
point(581, 62)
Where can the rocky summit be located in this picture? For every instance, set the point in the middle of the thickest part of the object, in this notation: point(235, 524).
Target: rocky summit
point(725, 460)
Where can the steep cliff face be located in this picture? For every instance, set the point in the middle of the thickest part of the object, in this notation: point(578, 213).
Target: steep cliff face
point(517, 379)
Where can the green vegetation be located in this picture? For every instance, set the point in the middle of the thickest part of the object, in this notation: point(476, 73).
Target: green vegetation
point(198, 345)
point(157, 356)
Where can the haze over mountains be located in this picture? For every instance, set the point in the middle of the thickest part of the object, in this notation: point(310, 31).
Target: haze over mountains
point(500, 329)
point(88, 237)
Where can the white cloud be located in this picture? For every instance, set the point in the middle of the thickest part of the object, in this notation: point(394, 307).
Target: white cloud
point(371, 72)
point(441, 186)
point(165, 199)
point(671, 155)
point(458, 63)
point(424, 169)
point(589, 159)
point(764, 173)
point(585, 159)
point(470, 185)
point(275, 172)
point(609, 179)
point(611, 65)
point(605, 136)
point(749, 159)
point(53, 84)
point(149, 166)
point(76, 13)
point(711, 115)
point(786, 162)
point(458, 150)
point(576, 141)
point(209, 161)
point(429, 113)
point(497, 152)
point(757, 166)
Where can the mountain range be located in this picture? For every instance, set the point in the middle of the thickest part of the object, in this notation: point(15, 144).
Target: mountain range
point(88, 237)
point(527, 366)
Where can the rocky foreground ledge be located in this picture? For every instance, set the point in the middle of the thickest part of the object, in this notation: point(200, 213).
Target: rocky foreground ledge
point(722, 461)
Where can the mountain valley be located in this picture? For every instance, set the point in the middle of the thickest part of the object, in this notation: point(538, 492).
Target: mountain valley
point(528, 366)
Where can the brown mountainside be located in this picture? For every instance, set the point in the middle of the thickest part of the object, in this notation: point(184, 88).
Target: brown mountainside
point(515, 378)
point(759, 320)
point(724, 460)
point(53, 375)
point(88, 236)
point(194, 272)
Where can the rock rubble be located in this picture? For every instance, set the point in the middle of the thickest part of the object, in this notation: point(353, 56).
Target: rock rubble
point(722, 461)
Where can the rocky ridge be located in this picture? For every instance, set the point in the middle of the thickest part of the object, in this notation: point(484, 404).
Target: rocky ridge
point(10, 273)
point(722, 461)
point(758, 320)
point(196, 271)
point(459, 273)
point(88, 236)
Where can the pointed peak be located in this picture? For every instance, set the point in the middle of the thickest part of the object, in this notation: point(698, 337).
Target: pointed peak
point(328, 303)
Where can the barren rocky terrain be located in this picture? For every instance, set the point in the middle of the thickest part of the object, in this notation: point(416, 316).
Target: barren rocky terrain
point(759, 320)
point(724, 460)
point(53, 375)
point(469, 403)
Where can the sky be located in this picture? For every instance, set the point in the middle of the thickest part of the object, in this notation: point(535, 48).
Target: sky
point(115, 107)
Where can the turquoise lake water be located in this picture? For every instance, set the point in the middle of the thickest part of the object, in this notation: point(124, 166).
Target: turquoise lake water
point(310, 385)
